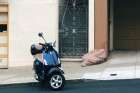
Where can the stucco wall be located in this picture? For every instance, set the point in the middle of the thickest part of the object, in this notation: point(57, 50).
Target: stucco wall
point(26, 19)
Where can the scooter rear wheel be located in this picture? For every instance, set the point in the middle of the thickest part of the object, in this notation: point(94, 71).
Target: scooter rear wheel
point(56, 81)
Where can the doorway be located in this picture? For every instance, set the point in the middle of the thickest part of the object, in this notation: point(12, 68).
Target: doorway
point(126, 25)
point(73, 28)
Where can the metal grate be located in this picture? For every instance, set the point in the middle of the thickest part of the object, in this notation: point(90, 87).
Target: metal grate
point(73, 28)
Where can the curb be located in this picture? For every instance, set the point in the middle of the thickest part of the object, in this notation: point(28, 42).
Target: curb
point(76, 81)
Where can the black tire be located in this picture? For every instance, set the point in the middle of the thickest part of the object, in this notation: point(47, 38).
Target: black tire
point(59, 84)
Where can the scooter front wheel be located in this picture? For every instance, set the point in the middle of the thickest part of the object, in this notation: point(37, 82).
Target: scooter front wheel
point(56, 81)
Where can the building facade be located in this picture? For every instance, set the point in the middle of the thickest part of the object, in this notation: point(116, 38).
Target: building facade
point(77, 26)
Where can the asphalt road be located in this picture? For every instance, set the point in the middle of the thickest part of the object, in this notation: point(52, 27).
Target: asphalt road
point(117, 86)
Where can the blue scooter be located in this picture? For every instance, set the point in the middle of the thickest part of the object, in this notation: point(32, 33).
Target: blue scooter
point(47, 66)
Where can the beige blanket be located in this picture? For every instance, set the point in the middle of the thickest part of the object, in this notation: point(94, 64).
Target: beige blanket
point(94, 57)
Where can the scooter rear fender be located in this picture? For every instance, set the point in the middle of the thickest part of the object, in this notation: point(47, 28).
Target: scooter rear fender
point(55, 70)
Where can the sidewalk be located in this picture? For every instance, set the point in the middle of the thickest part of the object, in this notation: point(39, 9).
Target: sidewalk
point(121, 65)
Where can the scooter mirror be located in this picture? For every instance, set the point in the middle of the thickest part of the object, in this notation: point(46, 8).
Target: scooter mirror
point(40, 34)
